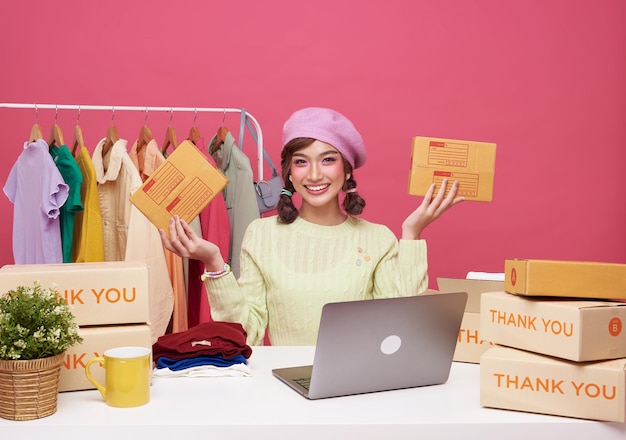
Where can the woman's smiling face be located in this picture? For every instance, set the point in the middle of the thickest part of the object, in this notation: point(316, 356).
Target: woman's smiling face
point(317, 173)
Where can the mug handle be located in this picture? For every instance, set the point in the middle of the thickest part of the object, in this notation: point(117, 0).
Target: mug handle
point(92, 379)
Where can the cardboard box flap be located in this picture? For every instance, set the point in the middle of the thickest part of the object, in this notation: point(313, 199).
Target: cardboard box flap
point(474, 289)
point(566, 302)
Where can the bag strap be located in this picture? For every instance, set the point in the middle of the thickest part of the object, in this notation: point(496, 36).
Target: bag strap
point(245, 122)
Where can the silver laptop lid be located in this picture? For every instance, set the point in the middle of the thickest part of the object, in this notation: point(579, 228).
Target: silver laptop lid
point(386, 344)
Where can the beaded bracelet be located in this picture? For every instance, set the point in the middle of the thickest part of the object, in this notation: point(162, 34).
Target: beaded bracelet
point(218, 274)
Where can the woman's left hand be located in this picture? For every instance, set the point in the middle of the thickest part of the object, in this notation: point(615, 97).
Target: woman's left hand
point(430, 209)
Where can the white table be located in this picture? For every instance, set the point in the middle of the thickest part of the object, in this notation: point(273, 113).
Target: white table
point(261, 407)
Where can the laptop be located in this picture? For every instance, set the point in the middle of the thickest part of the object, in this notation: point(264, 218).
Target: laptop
point(380, 345)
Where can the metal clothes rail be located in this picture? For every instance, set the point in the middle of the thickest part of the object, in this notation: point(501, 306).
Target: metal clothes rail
point(147, 109)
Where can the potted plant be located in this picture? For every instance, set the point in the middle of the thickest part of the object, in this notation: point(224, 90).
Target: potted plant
point(36, 327)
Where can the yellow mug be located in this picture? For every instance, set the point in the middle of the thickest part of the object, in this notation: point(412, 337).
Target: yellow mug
point(127, 376)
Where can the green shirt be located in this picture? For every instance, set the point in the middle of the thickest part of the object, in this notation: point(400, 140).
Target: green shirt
point(72, 176)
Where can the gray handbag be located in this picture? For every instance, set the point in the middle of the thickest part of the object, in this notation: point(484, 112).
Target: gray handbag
point(267, 191)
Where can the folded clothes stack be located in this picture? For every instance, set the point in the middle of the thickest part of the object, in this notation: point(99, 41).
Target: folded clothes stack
point(206, 350)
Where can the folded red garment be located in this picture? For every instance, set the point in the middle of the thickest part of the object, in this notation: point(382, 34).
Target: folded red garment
point(226, 339)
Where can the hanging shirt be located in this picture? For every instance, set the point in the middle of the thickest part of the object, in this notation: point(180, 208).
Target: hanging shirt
point(72, 176)
point(128, 234)
point(239, 194)
point(37, 190)
point(88, 245)
point(214, 227)
point(147, 160)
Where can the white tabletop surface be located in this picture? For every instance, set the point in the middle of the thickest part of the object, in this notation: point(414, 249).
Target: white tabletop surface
point(263, 407)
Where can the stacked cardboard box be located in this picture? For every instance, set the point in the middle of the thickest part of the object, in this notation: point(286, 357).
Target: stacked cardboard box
point(470, 343)
point(109, 301)
point(560, 343)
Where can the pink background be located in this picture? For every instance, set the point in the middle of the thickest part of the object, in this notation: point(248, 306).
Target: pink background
point(544, 79)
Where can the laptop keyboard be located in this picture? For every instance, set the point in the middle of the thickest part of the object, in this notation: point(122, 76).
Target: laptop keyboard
point(304, 382)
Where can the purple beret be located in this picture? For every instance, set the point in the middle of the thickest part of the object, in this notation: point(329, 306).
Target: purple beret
point(328, 126)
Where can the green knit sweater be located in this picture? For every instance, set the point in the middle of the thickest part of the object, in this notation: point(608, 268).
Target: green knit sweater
point(288, 272)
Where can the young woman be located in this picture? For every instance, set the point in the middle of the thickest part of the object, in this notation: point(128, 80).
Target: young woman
point(297, 261)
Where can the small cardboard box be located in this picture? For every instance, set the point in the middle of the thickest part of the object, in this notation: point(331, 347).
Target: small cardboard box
point(568, 329)
point(474, 289)
point(565, 278)
point(113, 292)
point(524, 381)
point(183, 185)
point(96, 340)
point(470, 163)
point(470, 345)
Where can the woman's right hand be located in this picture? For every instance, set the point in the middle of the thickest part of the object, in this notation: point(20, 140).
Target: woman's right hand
point(185, 243)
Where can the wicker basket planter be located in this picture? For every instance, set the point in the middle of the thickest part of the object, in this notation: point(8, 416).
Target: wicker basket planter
point(29, 389)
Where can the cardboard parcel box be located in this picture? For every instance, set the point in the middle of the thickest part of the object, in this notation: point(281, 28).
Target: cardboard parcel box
point(524, 381)
point(96, 340)
point(577, 279)
point(183, 185)
point(570, 329)
point(113, 292)
point(470, 344)
point(470, 163)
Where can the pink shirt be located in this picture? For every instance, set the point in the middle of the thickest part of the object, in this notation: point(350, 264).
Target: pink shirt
point(37, 190)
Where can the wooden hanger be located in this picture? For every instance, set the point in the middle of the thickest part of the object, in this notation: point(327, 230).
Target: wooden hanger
point(56, 136)
point(35, 133)
point(145, 136)
point(194, 135)
point(78, 135)
point(194, 132)
point(170, 139)
point(112, 135)
point(78, 139)
point(170, 136)
point(220, 138)
point(111, 138)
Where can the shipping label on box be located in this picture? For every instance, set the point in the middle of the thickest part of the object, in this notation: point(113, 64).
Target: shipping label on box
point(104, 293)
point(470, 163)
point(470, 345)
point(524, 381)
point(183, 185)
point(577, 279)
point(568, 329)
point(474, 289)
point(96, 340)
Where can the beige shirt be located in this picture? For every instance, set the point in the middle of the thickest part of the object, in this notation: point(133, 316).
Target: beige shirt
point(147, 160)
point(128, 234)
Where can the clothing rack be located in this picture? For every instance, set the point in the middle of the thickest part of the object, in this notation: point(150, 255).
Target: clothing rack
point(147, 109)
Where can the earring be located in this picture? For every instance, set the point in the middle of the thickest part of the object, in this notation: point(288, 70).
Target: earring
point(290, 178)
